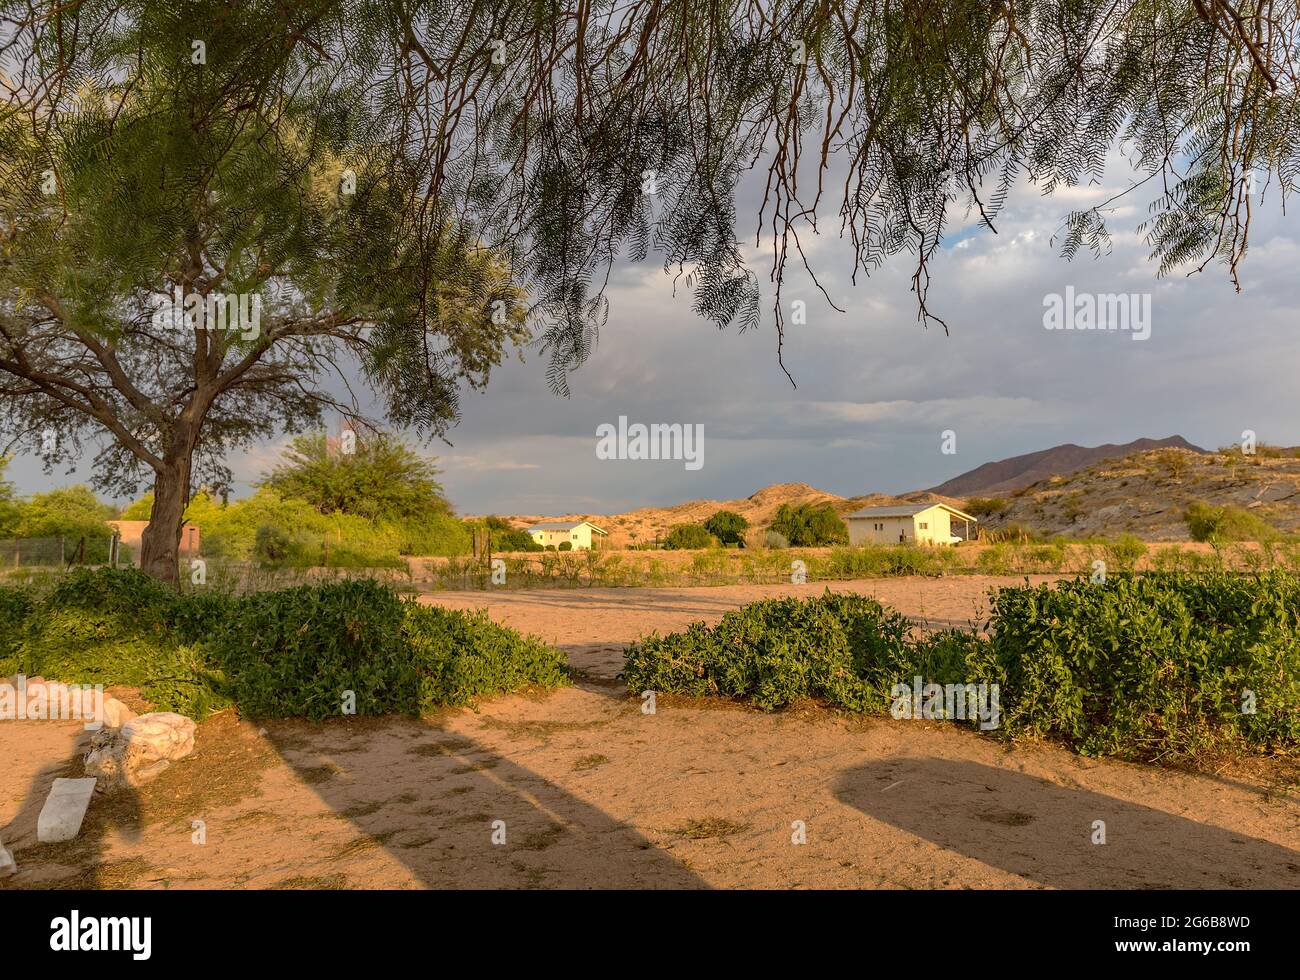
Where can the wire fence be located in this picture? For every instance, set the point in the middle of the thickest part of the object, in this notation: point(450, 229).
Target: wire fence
point(60, 552)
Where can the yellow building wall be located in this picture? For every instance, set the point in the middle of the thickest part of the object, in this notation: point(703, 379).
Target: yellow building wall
point(579, 537)
point(886, 530)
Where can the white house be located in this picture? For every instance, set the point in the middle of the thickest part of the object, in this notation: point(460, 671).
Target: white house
point(581, 535)
point(908, 524)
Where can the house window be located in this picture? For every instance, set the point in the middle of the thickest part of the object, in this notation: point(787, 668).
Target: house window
point(924, 526)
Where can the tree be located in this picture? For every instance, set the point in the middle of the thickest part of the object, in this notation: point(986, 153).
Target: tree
point(687, 537)
point(381, 479)
point(208, 147)
point(808, 525)
point(727, 526)
point(209, 184)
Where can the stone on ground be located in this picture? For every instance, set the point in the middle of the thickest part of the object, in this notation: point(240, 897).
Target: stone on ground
point(7, 865)
point(141, 749)
point(64, 810)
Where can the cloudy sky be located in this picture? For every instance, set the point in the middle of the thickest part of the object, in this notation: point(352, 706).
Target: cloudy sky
point(875, 389)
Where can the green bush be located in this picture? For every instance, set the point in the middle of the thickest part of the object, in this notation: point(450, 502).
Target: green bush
point(119, 626)
point(461, 656)
point(15, 606)
point(687, 537)
point(727, 526)
point(1153, 667)
point(810, 525)
point(1123, 553)
point(838, 648)
point(985, 506)
point(1227, 523)
point(276, 654)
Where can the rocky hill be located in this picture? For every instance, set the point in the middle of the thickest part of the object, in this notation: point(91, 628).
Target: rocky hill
point(1146, 493)
point(1017, 472)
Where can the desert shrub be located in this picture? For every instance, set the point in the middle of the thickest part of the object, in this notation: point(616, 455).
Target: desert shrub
point(810, 525)
point(985, 506)
point(1206, 522)
point(775, 539)
point(506, 537)
point(119, 626)
point(461, 656)
point(293, 652)
point(997, 559)
point(727, 526)
point(1152, 666)
point(688, 536)
point(15, 606)
point(1124, 552)
point(837, 648)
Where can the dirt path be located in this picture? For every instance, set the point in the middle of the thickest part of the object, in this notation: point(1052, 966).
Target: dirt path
point(591, 792)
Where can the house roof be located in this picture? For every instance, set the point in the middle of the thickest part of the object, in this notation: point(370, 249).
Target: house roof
point(564, 526)
point(904, 510)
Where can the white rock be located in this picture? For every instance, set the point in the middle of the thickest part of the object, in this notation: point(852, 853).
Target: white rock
point(116, 714)
point(64, 810)
point(7, 864)
point(139, 750)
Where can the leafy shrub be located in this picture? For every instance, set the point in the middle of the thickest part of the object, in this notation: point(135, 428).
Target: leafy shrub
point(810, 525)
point(15, 606)
point(727, 526)
point(461, 656)
point(1226, 523)
point(1124, 552)
point(687, 537)
point(1153, 665)
point(119, 626)
point(838, 648)
point(564, 546)
point(985, 506)
point(276, 654)
point(775, 539)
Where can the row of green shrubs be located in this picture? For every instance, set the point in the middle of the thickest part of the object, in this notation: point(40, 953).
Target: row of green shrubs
point(288, 653)
point(1148, 667)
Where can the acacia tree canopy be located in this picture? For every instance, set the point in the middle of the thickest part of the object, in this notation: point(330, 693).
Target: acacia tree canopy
point(381, 174)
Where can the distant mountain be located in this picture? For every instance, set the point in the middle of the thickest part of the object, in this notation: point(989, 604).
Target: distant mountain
point(1018, 472)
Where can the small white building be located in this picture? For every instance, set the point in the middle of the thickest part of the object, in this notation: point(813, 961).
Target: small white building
point(908, 524)
point(581, 535)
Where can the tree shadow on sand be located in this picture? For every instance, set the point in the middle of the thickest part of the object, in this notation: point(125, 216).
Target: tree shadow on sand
point(1044, 832)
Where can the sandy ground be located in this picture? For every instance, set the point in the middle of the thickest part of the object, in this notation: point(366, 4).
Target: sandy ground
point(591, 792)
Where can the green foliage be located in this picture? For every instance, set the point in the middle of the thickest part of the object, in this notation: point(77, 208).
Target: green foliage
point(15, 606)
point(985, 506)
point(727, 526)
point(71, 513)
point(382, 480)
point(1216, 525)
point(10, 512)
point(836, 648)
point(290, 653)
point(1123, 553)
point(462, 656)
point(686, 537)
point(810, 525)
point(107, 626)
point(1153, 667)
point(507, 537)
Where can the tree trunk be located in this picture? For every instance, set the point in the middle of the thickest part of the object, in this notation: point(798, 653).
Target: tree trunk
point(161, 541)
